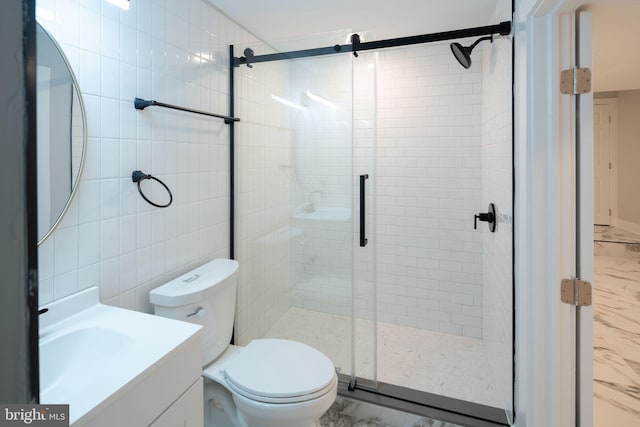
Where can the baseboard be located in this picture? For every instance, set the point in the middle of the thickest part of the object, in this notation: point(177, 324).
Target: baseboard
point(627, 225)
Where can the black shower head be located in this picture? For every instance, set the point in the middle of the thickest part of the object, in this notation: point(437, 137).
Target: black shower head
point(463, 53)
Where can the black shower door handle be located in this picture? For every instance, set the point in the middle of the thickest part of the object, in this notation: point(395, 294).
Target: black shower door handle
point(363, 239)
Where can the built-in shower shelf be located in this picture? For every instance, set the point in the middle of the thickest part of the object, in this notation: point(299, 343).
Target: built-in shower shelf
point(325, 214)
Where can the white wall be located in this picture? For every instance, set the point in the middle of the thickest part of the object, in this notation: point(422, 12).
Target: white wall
point(176, 52)
point(628, 155)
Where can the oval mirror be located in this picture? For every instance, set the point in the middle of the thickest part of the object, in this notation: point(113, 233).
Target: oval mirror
point(62, 133)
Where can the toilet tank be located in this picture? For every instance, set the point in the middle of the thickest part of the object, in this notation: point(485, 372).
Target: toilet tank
point(205, 296)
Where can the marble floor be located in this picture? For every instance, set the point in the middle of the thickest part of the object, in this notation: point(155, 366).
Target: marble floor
point(429, 361)
point(616, 304)
point(351, 413)
point(607, 233)
point(616, 242)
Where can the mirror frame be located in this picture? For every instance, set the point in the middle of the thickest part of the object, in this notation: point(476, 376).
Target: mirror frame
point(85, 138)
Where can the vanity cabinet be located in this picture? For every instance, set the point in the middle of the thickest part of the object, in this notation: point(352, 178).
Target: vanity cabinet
point(187, 411)
point(117, 367)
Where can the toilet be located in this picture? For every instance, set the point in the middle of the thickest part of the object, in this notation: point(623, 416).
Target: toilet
point(268, 383)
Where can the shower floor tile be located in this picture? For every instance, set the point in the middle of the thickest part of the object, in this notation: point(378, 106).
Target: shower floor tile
point(433, 362)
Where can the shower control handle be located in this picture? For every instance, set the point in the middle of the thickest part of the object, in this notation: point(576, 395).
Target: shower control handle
point(489, 217)
point(486, 217)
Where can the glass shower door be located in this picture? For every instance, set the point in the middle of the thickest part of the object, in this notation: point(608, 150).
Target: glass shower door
point(364, 160)
point(444, 286)
point(333, 210)
point(322, 208)
point(299, 183)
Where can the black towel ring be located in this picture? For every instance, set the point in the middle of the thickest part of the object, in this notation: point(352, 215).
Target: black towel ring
point(139, 176)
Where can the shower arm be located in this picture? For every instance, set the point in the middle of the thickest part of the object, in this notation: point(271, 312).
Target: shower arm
point(480, 40)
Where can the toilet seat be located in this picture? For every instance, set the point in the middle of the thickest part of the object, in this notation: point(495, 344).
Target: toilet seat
point(280, 371)
point(290, 399)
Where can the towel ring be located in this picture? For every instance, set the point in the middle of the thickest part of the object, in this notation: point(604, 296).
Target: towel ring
point(139, 176)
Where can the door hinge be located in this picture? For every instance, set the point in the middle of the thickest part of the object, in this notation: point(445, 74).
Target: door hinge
point(575, 81)
point(575, 292)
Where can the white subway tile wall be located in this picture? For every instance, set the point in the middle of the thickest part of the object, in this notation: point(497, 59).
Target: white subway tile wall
point(264, 177)
point(428, 182)
point(429, 258)
point(427, 176)
point(322, 194)
point(176, 52)
point(497, 253)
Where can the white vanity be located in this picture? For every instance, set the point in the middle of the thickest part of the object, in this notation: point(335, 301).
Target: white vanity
point(119, 367)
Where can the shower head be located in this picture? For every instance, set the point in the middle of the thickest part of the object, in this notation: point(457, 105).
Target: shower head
point(463, 53)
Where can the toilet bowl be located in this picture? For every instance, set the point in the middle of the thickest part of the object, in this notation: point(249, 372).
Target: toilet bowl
point(273, 383)
point(268, 383)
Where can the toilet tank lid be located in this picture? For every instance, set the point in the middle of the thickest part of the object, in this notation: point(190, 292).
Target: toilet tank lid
point(189, 287)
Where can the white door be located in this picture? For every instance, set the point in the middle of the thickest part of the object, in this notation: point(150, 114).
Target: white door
point(584, 206)
point(602, 164)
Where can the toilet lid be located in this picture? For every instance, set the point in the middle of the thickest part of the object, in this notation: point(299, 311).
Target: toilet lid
point(276, 368)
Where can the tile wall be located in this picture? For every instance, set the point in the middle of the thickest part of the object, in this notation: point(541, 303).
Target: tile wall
point(176, 52)
point(264, 178)
point(497, 248)
point(322, 194)
point(426, 171)
point(429, 257)
point(429, 268)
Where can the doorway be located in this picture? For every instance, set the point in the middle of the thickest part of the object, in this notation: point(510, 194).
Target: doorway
point(605, 119)
point(616, 308)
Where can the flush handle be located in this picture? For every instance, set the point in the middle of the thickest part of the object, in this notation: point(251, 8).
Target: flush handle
point(489, 217)
point(199, 312)
point(191, 279)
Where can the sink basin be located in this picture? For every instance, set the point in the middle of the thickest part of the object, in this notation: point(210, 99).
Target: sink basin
point(97, 358)
point(71, 357)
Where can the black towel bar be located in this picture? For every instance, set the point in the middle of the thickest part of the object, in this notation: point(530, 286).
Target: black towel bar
point(141, 104)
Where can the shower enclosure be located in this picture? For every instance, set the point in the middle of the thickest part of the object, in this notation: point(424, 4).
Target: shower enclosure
point(363, 176)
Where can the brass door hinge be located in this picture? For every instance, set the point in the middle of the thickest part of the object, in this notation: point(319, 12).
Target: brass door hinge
point(576, 292)
point(575, 81)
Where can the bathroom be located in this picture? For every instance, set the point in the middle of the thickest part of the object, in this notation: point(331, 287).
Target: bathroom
point(425, 280)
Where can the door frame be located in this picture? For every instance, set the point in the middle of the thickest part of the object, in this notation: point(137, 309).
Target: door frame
point(613, 155)
point(18, 219)
point(584, 222)
point(546, 232)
